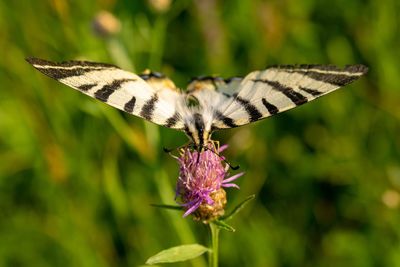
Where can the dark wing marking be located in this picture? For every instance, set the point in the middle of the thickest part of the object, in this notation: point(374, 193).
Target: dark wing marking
point(130, 105)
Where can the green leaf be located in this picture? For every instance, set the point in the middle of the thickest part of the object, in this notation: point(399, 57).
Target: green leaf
point(171, 207)
point(223, 225)
point(238, 208)
point(176, 254)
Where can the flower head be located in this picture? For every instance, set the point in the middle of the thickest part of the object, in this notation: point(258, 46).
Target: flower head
point(202, 176)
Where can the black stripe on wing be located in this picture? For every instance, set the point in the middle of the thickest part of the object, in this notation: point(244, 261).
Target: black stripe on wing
point(148, 108)
point(328, 73)
point(86, 87)
point(352, 69)
point(104, 93)
point(172, 121)
point(312, 92)
point(66, 69)
point(272, 109)
point(334, 79)
point(130, 105)
point(69, 63)
point(297, 98)
point(229, 122)
point(254, 113)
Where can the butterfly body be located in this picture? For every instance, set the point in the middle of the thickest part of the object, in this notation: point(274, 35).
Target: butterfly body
point(209, 103)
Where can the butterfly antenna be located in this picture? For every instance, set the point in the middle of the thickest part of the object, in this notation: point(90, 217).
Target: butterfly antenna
point(237, 167)
point(227, 162)
point(170, 150)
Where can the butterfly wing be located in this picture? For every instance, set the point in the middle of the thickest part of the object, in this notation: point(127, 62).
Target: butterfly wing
point(264, 93)
point(154, 100)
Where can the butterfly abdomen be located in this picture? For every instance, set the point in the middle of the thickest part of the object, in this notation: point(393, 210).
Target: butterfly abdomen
point(196, 129)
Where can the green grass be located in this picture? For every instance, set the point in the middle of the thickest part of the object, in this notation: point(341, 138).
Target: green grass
point(77, 177)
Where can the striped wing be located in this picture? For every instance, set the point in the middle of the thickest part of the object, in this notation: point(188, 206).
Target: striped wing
point(151, 96)
point(264, 93)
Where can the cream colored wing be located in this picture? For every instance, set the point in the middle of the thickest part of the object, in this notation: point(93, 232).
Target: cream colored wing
point(264, 93)
point(150, 96)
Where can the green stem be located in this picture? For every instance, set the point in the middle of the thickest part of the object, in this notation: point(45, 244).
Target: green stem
point(214, 245)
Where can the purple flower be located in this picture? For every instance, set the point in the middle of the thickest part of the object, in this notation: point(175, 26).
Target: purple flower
point(202, 176)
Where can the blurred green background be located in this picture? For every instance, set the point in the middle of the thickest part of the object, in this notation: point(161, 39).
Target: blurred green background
point(77, 177)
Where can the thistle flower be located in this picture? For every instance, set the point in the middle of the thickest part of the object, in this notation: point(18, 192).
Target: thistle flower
point(202, 177)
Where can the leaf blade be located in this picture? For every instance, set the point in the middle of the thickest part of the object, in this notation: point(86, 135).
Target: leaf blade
point(238, 208)
point(223, 225)
point(177, 254)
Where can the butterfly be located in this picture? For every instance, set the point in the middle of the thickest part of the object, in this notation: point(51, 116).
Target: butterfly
point(209, 103)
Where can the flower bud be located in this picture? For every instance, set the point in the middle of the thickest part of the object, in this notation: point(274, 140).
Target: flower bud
point(105, 24)
point(160, 6)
